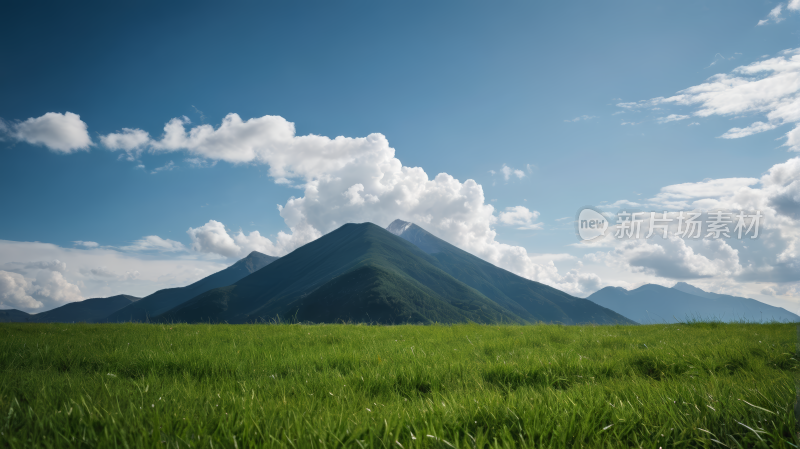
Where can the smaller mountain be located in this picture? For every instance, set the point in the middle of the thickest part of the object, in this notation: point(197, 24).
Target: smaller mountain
point(530, 300)
point(86, 311)
point(14, 316)
point(652, 303)
point(164, 300)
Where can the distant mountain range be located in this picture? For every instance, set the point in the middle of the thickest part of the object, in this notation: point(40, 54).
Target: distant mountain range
point(87, 311)
point(652, 303)
point(364, 273)
point(401, 274)
point(164, 300)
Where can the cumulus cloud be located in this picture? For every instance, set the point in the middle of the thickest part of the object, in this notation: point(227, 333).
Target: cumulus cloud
point(14, 292)
point(155, 243)
point(774, 257)
point(346, 180)
point(51, 287)
point(131, 141)
point(62, 133)
point(92, 273)
point(86, 244)
point(46, 288)
point(770, 87)
point(213, 238)
point(521, 217)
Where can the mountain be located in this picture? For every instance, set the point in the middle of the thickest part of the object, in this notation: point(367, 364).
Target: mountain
point(530, 300)
point(14, 316)
point(362, 273)
point(652, 303)
point(164, 300)
point(87, 311)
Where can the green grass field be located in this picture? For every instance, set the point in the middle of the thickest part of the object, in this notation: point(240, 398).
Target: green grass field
point(139, 385)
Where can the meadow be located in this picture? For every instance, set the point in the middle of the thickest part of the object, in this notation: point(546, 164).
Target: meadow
point(466, 386)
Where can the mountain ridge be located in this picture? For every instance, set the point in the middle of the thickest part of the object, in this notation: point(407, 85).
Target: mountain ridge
point(652, 303)
point(532, 300)
point(164, 300)
point(364, 273)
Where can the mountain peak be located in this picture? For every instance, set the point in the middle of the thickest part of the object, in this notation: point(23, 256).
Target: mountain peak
point(692, 290)
point(254, 254)
point(398, 227)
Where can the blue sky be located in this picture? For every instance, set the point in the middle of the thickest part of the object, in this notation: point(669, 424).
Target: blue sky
point(462, 88)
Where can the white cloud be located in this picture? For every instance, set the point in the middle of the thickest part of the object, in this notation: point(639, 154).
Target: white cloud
point(582, 117)
point(155, 243)
point(14, 292)
point(774, 16)
point(719, 57)
point(92, 273)
point(770, 87)
point(508, 172)
point(55, 265)
point(54, 290)
point(621, 204)
point(521, 217)
point(773, 257)
point(196, 162)
point(794, 5)
point(128, 139)
point(754, 128)
point(346, 180)
point(86, 244)
point(63, 133)
point(213, 238)
point(672, 118)
point(169, 166)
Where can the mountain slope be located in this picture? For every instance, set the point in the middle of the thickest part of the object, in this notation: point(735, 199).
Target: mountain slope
point(86, 311)
point(163, 300)
point(14, 316)
point(656, 304)
point(528, 299)
point(359, 272)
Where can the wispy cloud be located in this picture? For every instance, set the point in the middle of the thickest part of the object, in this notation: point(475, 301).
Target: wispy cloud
point(508, 172)
point(768, 86)
point(672, 118)
point(582, 117)
point(169, 166)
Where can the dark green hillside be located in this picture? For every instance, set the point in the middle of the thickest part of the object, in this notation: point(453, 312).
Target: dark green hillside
point(14, 316)
point(163, 300)
point(532, 301)
point(86, 311)
point(348, 274)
